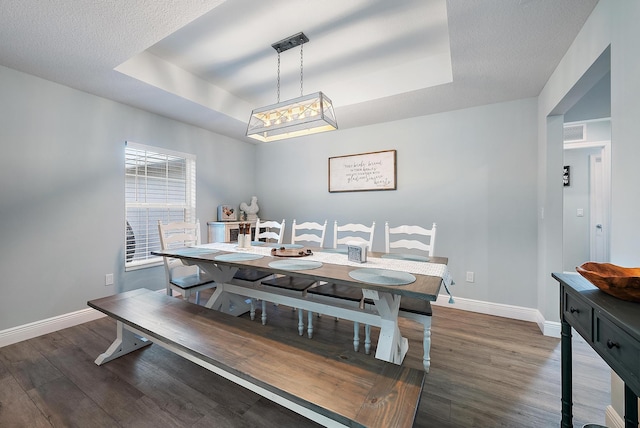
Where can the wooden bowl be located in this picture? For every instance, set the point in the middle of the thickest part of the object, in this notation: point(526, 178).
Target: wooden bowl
point(618, 281)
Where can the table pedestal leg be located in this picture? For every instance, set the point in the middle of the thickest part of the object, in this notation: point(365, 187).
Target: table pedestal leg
point(126, 341)
point(392, 346)
point(221, 300)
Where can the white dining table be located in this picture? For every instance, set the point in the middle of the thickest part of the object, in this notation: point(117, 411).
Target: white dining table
point(382, 280)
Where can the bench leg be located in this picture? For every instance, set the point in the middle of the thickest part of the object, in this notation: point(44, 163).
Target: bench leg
point(126, 342)
point(356, 336)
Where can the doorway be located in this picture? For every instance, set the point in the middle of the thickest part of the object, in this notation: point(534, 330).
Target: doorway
point(586, 202)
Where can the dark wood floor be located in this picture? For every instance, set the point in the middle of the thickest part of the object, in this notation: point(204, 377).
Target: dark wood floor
point(486, 372)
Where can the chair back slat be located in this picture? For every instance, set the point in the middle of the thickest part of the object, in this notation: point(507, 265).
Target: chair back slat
point(303, 232)
point(178, 235)
point(344, 234)
point(425, 239)
point(274, 232)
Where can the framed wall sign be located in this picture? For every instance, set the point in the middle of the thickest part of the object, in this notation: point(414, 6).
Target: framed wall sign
point(366, 171)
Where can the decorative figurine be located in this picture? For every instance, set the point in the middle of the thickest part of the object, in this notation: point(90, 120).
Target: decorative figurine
point(252, 209)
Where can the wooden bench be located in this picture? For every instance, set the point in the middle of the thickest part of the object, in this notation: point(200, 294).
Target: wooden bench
point(332, 388)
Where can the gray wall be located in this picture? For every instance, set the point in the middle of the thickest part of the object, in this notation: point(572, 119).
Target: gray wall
point(62, 175)
point(594, 105)
point(471, 171)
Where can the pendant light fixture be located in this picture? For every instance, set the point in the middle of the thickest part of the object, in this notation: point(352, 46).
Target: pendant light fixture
point(304, 115)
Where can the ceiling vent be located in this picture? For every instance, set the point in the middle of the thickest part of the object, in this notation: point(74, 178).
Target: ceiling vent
point(575, 133)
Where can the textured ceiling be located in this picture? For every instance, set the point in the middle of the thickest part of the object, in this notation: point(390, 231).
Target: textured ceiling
point(210, 63)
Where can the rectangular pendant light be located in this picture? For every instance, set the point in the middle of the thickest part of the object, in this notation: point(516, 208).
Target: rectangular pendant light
point(305, 115)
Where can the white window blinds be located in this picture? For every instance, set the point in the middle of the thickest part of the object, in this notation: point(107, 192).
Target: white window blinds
point(159, 185)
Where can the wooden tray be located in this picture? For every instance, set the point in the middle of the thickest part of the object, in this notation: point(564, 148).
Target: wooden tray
point(618, 281)
point(291, 252)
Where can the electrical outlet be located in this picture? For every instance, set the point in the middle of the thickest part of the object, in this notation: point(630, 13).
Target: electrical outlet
point(470, 277)
point(108, 279)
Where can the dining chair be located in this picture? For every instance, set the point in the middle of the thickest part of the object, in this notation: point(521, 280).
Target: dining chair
point(410, 238)
point(420, 244)
point(270, 231)
point(180, 277)
point(303, 233)
point(308, 232)
point(342, 235)
point(273, 231)
point(352, 232)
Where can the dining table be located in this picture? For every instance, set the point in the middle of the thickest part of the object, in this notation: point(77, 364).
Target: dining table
point(383, 279)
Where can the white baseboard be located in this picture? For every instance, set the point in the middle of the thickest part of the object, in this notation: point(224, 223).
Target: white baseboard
point(612, 419)
point(38, 328)
point(548, 328)
point(49, 325)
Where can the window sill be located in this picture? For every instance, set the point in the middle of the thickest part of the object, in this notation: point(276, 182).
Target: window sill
point(143, 264)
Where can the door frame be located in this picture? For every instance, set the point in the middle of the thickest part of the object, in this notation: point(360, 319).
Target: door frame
point(605, 197)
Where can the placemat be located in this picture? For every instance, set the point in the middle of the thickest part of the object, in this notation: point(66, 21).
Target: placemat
point(257, 243)
point(289, 264)
point(412, 257)
point(238, 257)
point(382, 276)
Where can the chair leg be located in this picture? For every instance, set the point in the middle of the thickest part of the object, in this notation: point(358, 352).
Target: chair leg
point(264, 312)
point(367, 339)
point(197, 297)
point(300, 322)
point(252, 311)
point(426, 343)
point(356, 336)
point(310, 324)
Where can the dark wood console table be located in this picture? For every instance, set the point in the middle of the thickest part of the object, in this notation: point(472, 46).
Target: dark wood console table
point(612, 327)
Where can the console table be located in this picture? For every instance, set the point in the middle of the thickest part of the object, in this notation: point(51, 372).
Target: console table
point(611, 327)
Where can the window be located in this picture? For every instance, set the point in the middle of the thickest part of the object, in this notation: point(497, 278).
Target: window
point(159, 185)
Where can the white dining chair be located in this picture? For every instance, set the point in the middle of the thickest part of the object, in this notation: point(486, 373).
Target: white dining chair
point(269, 231)
point(304, 233)
point(181, 278)
point(410, 238)
point(342, 235)
point(273, 231)
point(352, 232)
point(308, 232)
point(413, 243)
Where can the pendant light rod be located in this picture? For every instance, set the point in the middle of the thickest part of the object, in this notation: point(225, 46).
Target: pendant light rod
point(290, 42)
